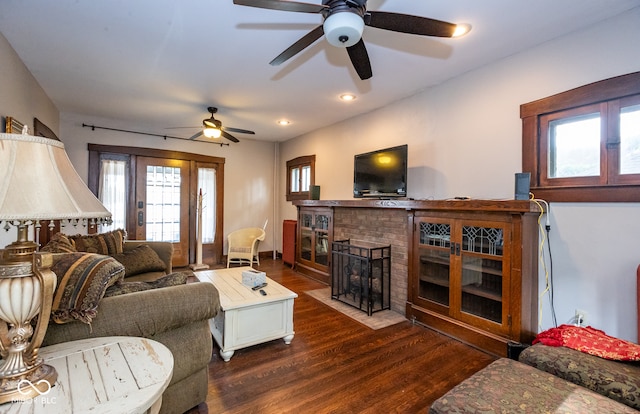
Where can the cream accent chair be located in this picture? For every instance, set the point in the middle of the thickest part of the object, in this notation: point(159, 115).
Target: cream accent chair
point(243, 245)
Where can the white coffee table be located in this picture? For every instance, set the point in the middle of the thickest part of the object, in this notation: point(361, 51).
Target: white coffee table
point(247, 317)
point(108, 375)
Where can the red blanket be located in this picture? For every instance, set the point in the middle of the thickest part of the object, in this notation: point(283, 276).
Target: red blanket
point(591, 341)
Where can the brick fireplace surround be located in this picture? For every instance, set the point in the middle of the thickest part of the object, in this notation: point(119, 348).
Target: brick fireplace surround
point(382, 226)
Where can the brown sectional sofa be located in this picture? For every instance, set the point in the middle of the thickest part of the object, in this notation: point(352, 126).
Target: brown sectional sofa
point(175, 316)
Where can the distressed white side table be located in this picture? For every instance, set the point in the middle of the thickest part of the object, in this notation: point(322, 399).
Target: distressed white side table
point(114, 375)
point(247, 317)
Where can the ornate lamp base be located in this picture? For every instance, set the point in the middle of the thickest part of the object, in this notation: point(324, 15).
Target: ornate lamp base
point(26, 291)
point(24, 387)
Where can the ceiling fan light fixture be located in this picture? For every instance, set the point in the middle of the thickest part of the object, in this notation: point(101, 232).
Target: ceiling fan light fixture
point(212, 132)
point(461, 30)
point(343, 29)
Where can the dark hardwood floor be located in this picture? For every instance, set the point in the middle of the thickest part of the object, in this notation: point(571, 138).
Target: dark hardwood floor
point(337, 365)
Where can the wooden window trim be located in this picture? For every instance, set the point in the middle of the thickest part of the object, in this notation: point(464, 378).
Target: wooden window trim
point(297, 163)
point(620, 190)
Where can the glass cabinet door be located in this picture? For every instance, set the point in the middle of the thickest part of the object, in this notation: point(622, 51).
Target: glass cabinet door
point(322, 239)
point(435, 263)
point(306, 236)
point(483, 279)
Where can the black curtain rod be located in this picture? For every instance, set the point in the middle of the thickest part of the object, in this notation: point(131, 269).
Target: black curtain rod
point(94, 127)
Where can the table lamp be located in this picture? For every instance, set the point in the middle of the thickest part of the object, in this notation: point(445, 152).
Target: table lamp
point(37, 183)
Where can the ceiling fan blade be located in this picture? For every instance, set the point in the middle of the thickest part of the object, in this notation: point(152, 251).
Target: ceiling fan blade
point(360, 60)
point(242, 131)
point(230, 137)
point(298, 46)
point(199, 133)
point(293, 6)
point(406, 23)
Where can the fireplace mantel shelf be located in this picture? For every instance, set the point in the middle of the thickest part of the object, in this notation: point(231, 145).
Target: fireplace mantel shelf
point(521, 206)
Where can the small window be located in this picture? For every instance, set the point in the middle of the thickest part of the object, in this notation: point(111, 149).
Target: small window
point(300, 177)
point(584, 144)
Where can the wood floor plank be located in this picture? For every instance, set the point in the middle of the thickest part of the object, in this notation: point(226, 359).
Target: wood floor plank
point(337, 365)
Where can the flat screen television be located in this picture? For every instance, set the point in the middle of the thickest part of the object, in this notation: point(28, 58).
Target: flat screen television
point(381, 173)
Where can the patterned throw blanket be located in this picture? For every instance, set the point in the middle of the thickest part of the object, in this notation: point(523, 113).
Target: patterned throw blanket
point(590, 341)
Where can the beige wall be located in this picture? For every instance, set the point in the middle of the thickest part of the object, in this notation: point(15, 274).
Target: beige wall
point(464, 138)
point(21, 97)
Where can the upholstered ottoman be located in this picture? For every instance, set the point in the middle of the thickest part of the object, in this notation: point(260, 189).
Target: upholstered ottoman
point(619, 381)
point(508, 386)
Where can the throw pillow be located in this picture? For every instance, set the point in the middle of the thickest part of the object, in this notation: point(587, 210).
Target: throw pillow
point(102, 243)
point(173, 279)
point(59, 243)
point(83, 279)
point(142, 259)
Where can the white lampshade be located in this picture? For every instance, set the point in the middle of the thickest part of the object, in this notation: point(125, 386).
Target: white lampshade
point(343, 29)
point(38, 182)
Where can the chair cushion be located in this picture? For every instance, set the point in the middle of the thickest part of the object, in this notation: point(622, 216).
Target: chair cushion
point(108, 243)
point(82, 279)
point(142, 259)
point(173, 279)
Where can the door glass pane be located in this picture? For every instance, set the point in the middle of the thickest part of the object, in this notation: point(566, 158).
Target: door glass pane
point(574, 146)
point(630, 140)
point(112, 192)
point(322, 248)
point(435, 234)
point(481, 276)
point(163, 203)
point(207, 186)
point(434, 275)
point(482, 287)
point(305, 243)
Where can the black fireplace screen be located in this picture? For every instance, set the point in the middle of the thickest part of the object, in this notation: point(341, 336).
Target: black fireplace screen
point(360, 275)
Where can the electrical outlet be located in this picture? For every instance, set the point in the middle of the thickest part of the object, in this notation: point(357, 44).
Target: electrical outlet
point(581, 317)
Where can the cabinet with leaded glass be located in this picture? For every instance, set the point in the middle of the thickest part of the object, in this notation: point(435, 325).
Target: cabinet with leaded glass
point(467, 275)
point(315, 233)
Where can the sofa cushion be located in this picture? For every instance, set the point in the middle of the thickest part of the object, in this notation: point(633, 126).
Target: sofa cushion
point(619, 381)
point(60, 243)
point(83, 279)
point(108, 243)
point(142, 259)
point(124, 287)
point(507, 386)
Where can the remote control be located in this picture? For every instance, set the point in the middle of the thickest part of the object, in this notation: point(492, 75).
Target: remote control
point(260, 286)
point(262, 292)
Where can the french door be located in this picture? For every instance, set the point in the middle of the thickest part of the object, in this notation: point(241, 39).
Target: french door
point(154, 194)
point(162, 204)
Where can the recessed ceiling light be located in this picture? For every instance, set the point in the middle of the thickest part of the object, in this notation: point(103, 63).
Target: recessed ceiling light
point(461, 29)
point(347, 97)
point(283, 122)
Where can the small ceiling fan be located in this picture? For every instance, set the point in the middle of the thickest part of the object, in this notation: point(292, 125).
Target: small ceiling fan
point(212, 128)
point(344, 21)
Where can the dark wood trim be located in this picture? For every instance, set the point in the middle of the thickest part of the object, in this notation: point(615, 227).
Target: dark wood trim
point(604, 90)
point(300, 162)
point(519, 206)
point(156, 153)
point(618, 189)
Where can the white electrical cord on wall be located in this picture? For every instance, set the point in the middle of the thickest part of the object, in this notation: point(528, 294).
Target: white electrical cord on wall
point(548, 273)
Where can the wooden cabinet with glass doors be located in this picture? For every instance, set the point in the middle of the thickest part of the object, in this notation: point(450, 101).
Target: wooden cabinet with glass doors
point(313, 249)
point(474, 276)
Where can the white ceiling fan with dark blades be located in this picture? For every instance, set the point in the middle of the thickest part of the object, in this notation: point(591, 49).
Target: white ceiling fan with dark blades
point(212, 128)
point(344, 22)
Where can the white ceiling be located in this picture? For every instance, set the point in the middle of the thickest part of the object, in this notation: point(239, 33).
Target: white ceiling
point(159, 64)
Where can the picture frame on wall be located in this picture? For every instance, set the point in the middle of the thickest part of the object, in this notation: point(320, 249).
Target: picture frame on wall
point(13, 126)
point(41, 130)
